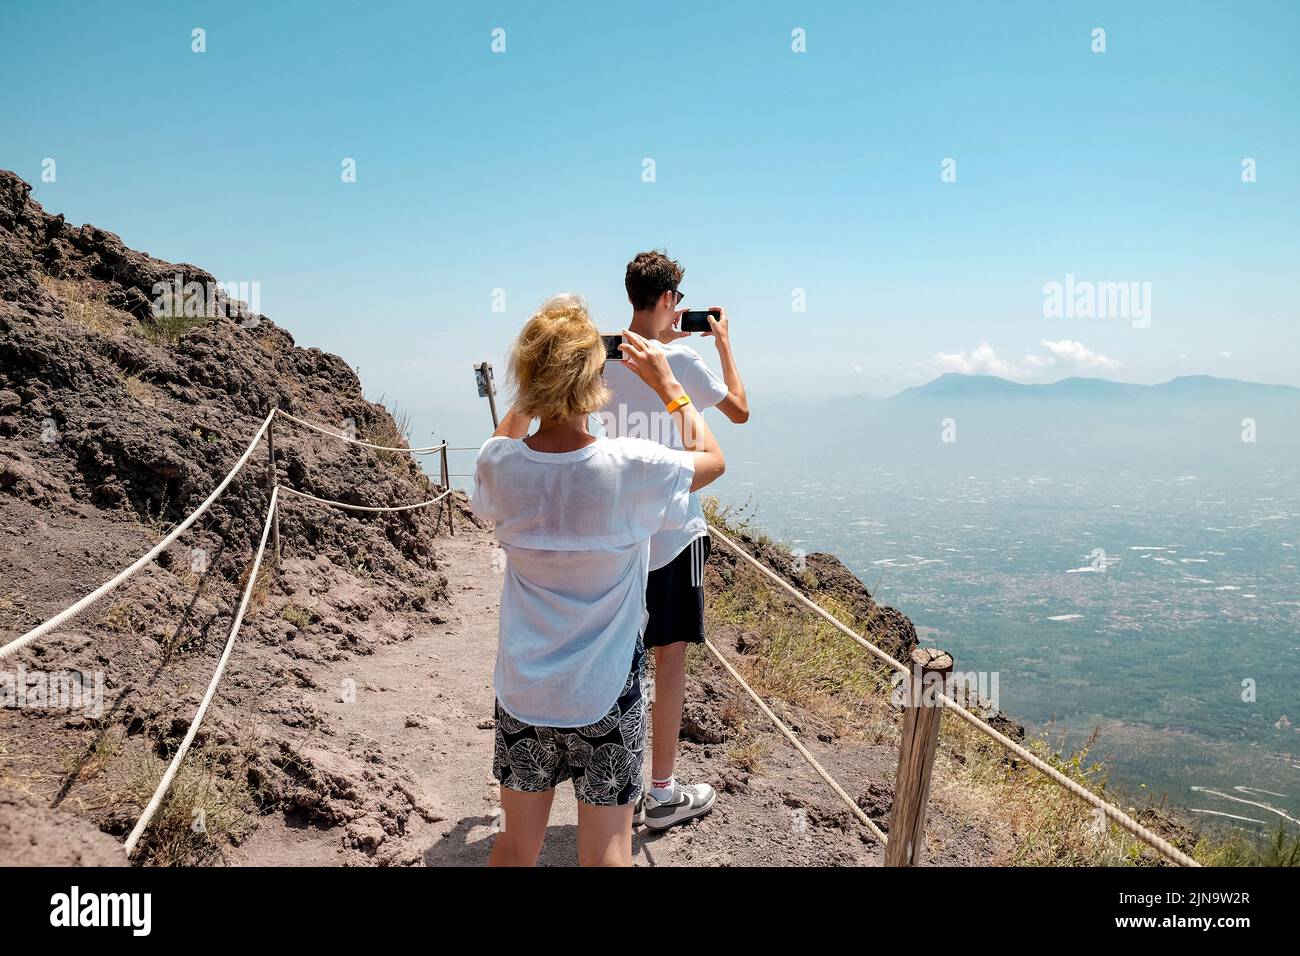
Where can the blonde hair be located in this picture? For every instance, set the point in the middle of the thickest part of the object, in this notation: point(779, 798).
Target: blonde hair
point(557, 363)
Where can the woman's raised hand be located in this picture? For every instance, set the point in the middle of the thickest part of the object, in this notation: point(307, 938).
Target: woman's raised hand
point(648, 360)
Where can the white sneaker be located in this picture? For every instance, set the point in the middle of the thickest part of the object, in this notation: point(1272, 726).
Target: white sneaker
point(686, 803)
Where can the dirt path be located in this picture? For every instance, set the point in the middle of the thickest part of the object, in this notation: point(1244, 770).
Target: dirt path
point(425, 700)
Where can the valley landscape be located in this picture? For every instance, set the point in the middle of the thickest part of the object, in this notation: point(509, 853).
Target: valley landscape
point(1118, 554)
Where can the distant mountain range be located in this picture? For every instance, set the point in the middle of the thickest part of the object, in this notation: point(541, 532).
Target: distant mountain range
point(1194, 422)
point(1185, 387)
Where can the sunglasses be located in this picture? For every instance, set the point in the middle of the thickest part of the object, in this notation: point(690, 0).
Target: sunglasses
point(679, 296)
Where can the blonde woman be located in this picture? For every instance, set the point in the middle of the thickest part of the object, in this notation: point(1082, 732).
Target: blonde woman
point(575, 514)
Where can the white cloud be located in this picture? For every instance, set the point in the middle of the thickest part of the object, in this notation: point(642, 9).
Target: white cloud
point(981, 360)
point(1064, 356)
point(1224, 353)
point(1077, 357)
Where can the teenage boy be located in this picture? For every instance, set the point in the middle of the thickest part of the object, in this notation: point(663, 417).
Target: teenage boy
point(675, 591)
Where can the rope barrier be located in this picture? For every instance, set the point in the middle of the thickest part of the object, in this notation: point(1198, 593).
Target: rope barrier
point(808, 603)
point(107, 587)
point(789, 734)
point(111, 585)
point(156, 800)
point(356, 441)
point(344, 504)
point(1109, 810)
point(173, 767)
point(1112, 812)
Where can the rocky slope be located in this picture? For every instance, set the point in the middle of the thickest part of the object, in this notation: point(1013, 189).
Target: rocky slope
point(119, 412)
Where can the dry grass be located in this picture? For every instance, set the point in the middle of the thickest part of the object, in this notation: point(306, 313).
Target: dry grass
point(83, 302)
point(265, 579)
point(359, 563)
point(269, 344)
point(749, 751)
point(1281, 848)
point(976, 778)
point(121, 617)
point(392, 430)
point(139, 389)
point(297, 616)
point(206, 807)
point(79, 767)
point(174, 317)
point(156, 521)
point(804, 660)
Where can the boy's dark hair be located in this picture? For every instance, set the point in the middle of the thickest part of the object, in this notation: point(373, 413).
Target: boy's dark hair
point(650, 275)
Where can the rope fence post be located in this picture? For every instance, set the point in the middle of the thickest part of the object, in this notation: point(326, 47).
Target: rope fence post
point(446, 486)
point(922, 709)
point(270, 485)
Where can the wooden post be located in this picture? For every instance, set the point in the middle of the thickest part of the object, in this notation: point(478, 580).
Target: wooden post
point(921, 713)
point(270, 488)
point(446, 486)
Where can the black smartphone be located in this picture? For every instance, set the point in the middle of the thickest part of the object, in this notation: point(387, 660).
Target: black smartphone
point(699, 321)
point(612, 342)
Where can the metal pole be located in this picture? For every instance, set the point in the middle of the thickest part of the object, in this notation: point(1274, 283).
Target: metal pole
point(490, 388)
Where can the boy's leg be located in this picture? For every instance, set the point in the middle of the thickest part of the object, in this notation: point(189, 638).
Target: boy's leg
point(604, 835)
point(666, 715)
point(675, 601)
point(523, 817)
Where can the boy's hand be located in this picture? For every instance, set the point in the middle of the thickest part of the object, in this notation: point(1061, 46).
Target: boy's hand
point(650, 363)
point(675, 333)
point(720, 329)
point(735, 406)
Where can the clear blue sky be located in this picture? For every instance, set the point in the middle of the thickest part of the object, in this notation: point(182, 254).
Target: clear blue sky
point(775, 171)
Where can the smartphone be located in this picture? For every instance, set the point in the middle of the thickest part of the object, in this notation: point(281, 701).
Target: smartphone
point(699, 321)
point(612, 342)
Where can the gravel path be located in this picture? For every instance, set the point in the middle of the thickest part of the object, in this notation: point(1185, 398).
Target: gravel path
point(423, 703)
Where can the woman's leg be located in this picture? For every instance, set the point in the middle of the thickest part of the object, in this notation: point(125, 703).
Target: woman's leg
point(604, 835)
point(523, 828)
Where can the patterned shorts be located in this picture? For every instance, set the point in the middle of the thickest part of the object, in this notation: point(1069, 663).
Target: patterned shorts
point(605, 759)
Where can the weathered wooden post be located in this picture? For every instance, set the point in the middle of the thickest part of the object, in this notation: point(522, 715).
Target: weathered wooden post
point(921, 712)
point(270, 487)
point(446, 486)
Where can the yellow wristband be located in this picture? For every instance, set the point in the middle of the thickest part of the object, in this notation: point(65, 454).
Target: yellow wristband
point(677, 403)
